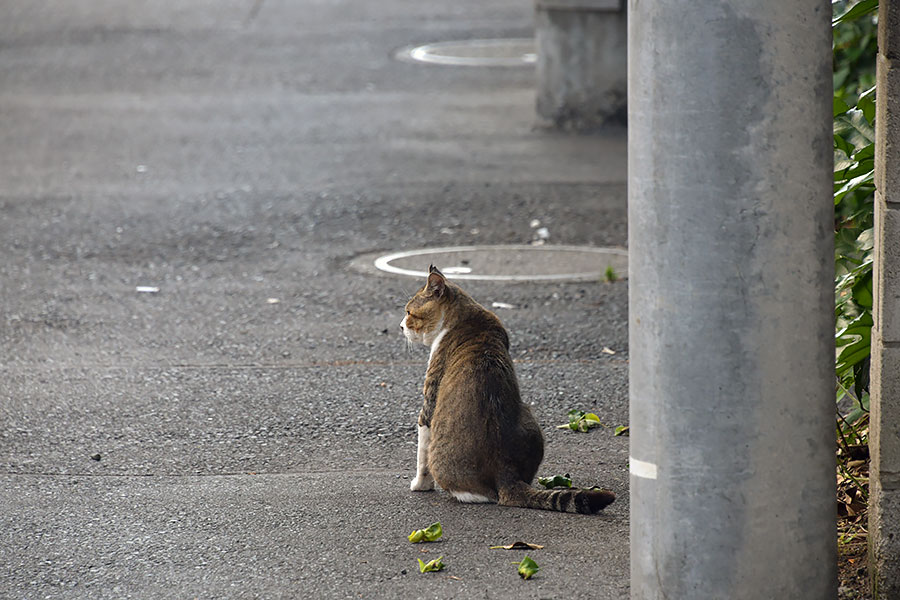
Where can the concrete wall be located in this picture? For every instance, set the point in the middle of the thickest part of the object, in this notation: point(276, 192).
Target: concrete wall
point(884, 443)
point(581, 69)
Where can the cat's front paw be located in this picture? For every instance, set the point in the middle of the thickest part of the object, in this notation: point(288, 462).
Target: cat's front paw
point(422, 483)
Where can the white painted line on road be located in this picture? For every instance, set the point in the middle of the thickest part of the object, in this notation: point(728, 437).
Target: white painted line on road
point(383, 263)
point(499, 52)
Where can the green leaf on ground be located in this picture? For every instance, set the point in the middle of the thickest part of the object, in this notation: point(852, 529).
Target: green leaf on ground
point(431, 566)
point(581, 421)
point(621, 430)
point(430, 534)
point(556, 481)
point(527, 568)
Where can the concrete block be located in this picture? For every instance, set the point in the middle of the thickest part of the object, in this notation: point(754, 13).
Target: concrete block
point(889, 28)
point(878, 262)
point(582, 72)
point(884, 433)
point(887, 271)
point(884, 541)
point(887, 129)
point(884, 489)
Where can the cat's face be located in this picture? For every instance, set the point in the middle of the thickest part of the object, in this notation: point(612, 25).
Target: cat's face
point(425, 311)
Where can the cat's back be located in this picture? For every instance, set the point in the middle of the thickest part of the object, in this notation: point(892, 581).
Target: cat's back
point(477, 338)
point(478, 368)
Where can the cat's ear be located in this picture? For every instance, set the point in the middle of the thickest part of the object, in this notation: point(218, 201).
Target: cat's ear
point(436, 282)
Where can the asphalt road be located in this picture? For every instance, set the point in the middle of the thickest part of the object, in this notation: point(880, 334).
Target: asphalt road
point(249, 429)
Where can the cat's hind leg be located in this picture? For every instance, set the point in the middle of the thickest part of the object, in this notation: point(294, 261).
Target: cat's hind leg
point(423, 482)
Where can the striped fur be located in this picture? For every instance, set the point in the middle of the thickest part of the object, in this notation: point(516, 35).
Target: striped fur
point(586, 502)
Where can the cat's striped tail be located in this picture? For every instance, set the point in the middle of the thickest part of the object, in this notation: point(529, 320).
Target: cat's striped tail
point(564, 500)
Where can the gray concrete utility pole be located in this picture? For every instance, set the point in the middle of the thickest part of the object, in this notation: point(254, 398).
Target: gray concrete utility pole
point(731, 318)
point(884, 426)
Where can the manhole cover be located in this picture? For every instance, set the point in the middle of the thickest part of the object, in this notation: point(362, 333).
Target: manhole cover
point(511, 52)
point(502, 263)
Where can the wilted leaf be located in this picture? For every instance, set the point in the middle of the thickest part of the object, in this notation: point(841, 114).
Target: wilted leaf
point(621, 430)
point(434, 532)
point(589, 420)
point(430, 534)
point(555, 481)
point(581, 421)
point(518, 546)
point(527, 568)
point(431, 566)
point(575, 417)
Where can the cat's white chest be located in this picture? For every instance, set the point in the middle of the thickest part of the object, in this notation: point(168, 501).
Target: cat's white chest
point(435, 344)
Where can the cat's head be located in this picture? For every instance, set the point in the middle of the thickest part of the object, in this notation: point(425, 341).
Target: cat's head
point(425, 311)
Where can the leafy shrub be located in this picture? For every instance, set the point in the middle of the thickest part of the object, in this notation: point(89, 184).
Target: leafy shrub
point(855, 47)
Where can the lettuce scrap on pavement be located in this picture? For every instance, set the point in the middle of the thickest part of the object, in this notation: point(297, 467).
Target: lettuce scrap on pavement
point(556, 481)
point(527, 568)
point(431, 566)
point(581, 421)
point(430, 534)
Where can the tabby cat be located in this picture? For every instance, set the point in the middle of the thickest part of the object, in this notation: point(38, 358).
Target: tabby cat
point(477, 439)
